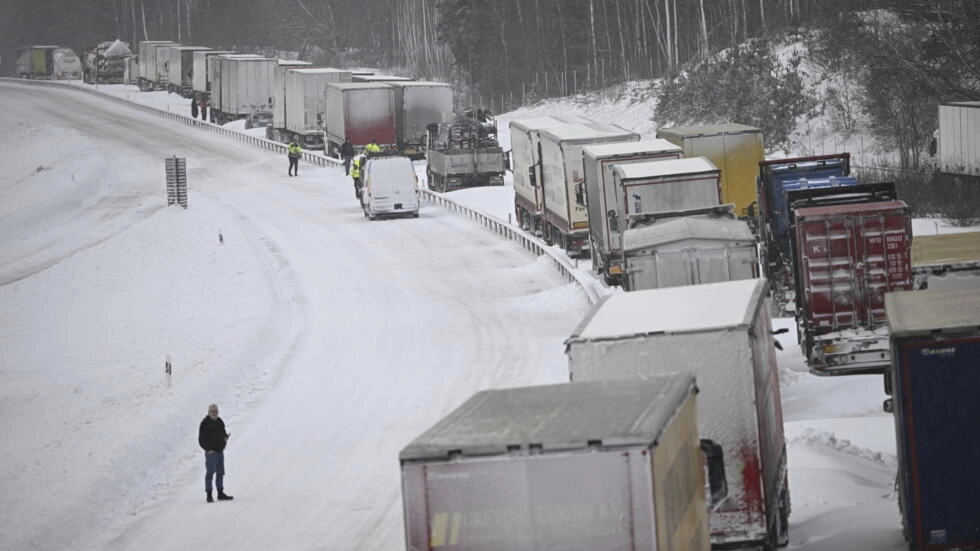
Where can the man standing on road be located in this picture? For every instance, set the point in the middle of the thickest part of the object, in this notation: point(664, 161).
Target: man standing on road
point(213, 439)
point(347, 153)
point(294, 151)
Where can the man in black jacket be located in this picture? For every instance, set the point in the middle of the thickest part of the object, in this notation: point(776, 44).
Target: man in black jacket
point(347, 153)
point(213, 438)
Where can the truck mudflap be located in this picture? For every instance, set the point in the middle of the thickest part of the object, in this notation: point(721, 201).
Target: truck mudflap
point(849, 352)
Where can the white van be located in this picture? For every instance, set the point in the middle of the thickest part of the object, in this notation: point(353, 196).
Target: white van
point(391, 187)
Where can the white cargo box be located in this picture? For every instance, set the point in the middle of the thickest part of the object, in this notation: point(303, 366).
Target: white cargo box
point(722, 333)
point(689, 251)
point(245, 84)
point(148, 58)
point(303, 100)
point(959, 137)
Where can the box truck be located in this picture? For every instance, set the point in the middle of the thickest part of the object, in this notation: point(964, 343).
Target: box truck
point(303, 105)
point(360, 112)
point(525, 159)
point(735, 149)
point(600, 465)
point(242, 84)
point(148, 63)
point(419, 104)
point(603, 199)
point(689, 250)
point(722, 333)
point(935, 374)
point(562, 178)
point(201, 74)
point(180, 69)
point(959, 146)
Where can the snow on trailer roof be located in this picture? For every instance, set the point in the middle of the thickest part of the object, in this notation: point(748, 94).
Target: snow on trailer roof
point(537, 123)
point(293, 63)
point(318, 70)
point(679, 229)
point(564, 416)
point(708, 130)
point(192, 48)
point(915, 313)
point(584, 132)
point(358, 85)
point(420, 83)
point(962, 103)
point(689, 308)
point(669, 167)
point(628, 148)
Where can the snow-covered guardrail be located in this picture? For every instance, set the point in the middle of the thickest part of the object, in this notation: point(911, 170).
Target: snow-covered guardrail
point(533, 244)
point(561, 263)
point(313, 158)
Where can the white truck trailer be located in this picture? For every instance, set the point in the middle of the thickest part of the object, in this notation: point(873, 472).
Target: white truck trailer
point(524, 159)
point(722, 333)
point(419, 104)
point(162, 78)
point(959, 138)
point(201, 76)
point(361, 112)
point(689, 250)
point(148, 63)
point(303, 104)
point(601, 465)
point(279, 100)
point(605, 202)
point(562, 177)
point(180, 69)
point(242, 84)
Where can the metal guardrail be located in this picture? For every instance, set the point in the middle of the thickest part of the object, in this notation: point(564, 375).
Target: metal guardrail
point(560, 262)
point(514, 233)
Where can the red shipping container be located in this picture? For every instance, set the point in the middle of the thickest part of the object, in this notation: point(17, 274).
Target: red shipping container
point(847, 258)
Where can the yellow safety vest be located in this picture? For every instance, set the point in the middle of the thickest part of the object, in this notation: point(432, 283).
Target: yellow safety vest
point(372, 148)
point(294, 149)
point(355, 170)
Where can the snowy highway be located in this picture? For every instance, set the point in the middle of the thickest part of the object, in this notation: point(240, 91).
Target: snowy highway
point(327, 340)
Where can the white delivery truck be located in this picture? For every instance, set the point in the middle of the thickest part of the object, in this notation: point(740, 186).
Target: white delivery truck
point(180, 69)
point(148, 63)
point(601, 465)
point(524, 159)
point(605, 202)
point(722, 333)
point(562, 178)
point(689, 250)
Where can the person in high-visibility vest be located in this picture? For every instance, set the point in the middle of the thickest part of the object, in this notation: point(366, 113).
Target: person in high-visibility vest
point(355, 174)
point(294, 154)
point(372, 147)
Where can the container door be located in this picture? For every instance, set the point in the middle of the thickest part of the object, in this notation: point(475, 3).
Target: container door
point(938, 379)
point(829, 273)
point(884, 263)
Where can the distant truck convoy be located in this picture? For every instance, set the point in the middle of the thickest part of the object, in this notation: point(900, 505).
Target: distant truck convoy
point(722, 332)
point(148, 63)
point(577, 467)
point(606, 203)
point(735, 149)
point(935, 371)
point(48, 62)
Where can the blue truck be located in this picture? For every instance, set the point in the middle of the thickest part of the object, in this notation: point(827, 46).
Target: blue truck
point(934, 379)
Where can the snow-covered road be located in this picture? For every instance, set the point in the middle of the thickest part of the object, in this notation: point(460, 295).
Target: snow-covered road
point(365, 333)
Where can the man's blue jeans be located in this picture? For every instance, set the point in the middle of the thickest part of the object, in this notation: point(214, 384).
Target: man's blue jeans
point(215, 465)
